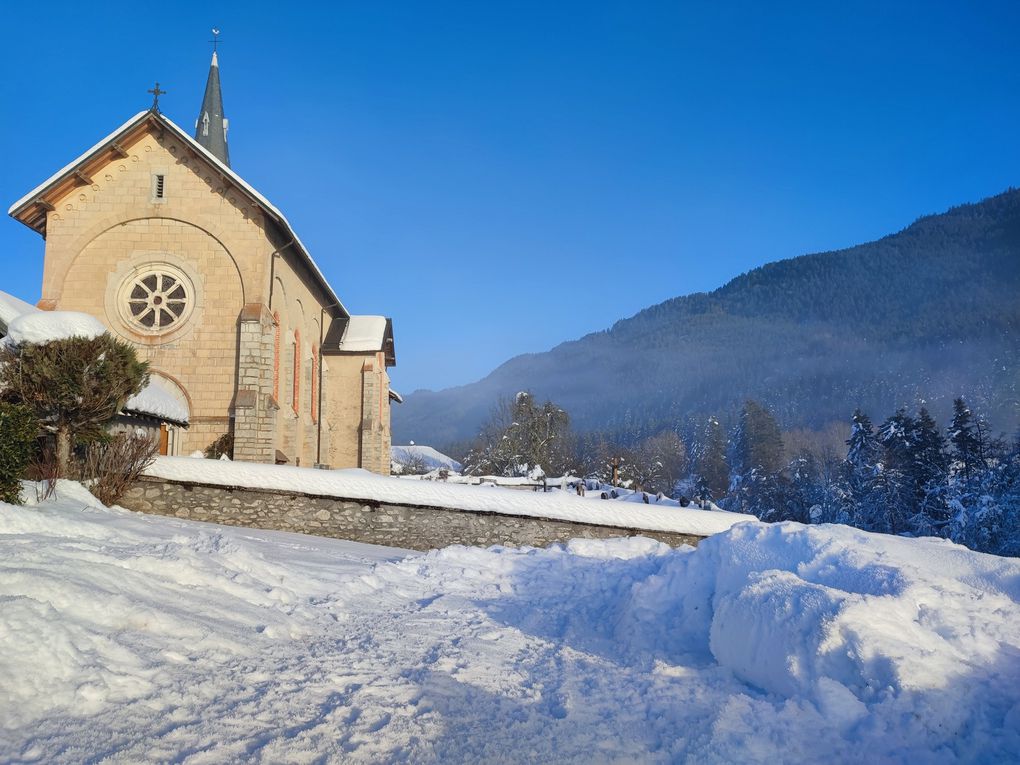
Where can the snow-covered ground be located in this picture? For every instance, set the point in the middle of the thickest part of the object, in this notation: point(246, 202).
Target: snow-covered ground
point(131, 638)
point(360, 484)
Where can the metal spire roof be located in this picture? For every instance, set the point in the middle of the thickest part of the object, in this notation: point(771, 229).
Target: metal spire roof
point(211, 125)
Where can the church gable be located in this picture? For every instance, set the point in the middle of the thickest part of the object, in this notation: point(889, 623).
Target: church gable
point(147, 150)
point(65, 189)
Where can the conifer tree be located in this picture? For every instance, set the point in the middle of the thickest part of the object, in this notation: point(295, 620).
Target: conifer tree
point(965, 441)
point(74, 386)
point(713, 472)
point(758, 442)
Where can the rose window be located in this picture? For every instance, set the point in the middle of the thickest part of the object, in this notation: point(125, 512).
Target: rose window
point(157, 300)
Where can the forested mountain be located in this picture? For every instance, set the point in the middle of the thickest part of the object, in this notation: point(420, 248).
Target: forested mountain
point(926, 314)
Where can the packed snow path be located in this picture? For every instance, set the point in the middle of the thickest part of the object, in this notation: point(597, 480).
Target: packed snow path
point(134, 638)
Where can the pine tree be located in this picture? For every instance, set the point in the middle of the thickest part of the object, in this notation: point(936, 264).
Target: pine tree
point(713, 472)
point(758, 440)
point(964, 438)
point(74, 386)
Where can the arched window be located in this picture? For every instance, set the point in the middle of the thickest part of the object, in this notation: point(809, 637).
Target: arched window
point(276, 357)
point(296, 403)
point(315, 383)
point(205, 124)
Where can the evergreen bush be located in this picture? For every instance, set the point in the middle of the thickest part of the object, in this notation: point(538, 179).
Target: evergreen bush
point(18, 430)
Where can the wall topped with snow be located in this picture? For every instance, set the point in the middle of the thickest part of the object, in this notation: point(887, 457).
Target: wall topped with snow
point(369, 487)
point(372, 522)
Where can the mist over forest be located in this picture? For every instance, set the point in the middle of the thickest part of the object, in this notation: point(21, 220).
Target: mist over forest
point(916, 318)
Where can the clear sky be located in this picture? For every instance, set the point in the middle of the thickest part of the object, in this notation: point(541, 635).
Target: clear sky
point(500, 177)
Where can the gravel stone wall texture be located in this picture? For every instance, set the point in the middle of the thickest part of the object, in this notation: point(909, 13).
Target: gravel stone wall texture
point(408, 526)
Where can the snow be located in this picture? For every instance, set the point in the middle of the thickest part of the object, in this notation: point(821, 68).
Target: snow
point(364, 333)
point(46, 326)
point(360, 484)
point(12, 307)
point(432, 458)
point(159, 401)
point(133, 638)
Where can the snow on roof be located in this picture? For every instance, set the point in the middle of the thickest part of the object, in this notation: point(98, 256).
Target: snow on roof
point(364, 333)
point(192, 143)
point(362, 485)
point(46, 326)
point(159, 401)
point(12, 307)
point(433, 458)
point(74, 163)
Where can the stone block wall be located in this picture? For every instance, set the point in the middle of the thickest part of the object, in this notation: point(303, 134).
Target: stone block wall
point(254, 406)
point(408, 526)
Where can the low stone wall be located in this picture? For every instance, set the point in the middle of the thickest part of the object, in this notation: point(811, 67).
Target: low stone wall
point(409, 526)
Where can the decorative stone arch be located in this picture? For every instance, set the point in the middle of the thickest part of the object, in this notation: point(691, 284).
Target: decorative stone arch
point(169, 435)
point(204, 223)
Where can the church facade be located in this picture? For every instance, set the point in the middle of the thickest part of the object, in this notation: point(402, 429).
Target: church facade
point(152, 232)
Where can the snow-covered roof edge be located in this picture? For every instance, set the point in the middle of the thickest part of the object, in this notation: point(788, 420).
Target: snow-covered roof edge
point(192, 143)
point(12, 307)
point(363, 333)
point(155, 400)
point(69, 167)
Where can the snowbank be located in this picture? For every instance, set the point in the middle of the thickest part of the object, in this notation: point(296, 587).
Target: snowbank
point(136, 638)
point(360, 484)
point(46, 326)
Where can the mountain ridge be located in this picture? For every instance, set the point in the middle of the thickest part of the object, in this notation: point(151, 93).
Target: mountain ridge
point(889, 302)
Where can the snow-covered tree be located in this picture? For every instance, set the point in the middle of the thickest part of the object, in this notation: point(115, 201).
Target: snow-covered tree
point(74, 385)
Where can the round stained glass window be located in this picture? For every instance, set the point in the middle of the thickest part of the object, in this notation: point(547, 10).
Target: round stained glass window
point(157, 299)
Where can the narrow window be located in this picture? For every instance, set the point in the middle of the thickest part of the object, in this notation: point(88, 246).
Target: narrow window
point(158, 186)
point(296, 400)
point(276, 357)
point(315, 384)
point(205, 124)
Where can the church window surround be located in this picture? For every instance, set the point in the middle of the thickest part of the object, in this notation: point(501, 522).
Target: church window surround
point(315, 384)
point(296, 392)
point(205, 123)
point(276, 356)
point(157, 298)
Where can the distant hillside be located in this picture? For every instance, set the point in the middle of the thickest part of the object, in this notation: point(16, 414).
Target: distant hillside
point(932, 311)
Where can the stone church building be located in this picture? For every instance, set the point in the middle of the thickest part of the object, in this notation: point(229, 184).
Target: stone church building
point(152, 232)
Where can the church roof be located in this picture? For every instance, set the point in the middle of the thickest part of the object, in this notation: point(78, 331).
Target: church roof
point(211, 125)
point(32, 208)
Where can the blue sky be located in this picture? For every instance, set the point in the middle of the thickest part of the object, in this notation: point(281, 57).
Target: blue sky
point(499, 178)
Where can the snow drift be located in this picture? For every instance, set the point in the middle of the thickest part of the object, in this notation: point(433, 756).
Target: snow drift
point(141, 638)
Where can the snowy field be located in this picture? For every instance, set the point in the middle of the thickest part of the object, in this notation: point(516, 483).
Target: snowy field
point(131, 638)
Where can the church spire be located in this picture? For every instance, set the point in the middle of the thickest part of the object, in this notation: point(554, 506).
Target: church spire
point(211, 126)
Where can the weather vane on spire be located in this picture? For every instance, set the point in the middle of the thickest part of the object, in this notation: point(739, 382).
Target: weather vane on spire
point(216, 38)
point(156, 93)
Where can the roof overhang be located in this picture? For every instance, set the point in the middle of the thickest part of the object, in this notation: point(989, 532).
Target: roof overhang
point(33, 208)
point(336, 342)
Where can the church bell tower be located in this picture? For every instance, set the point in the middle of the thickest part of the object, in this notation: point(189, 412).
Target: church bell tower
point(211, 126)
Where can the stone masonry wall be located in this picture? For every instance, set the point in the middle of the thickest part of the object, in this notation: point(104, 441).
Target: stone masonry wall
point(407, 526)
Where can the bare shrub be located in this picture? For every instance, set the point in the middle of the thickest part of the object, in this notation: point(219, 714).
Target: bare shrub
point(222, 445)
point(109, 468)
point(44, 471)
